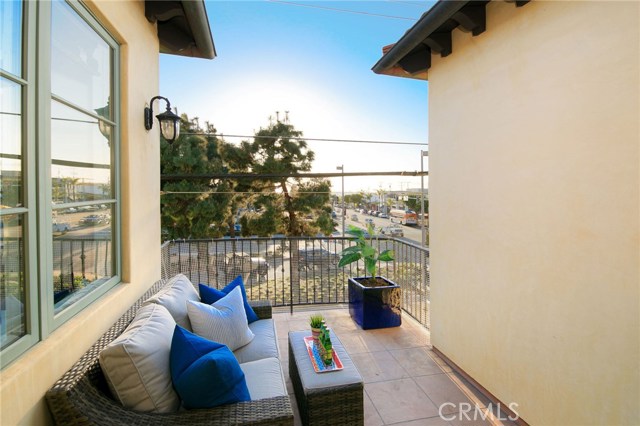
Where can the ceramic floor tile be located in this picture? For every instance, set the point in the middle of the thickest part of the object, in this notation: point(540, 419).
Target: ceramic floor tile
point(371, 416)
point(297, 421)
point(342, 324)
point(282, 330)
point(432, 421)
point(299, 325)
point(378, 366)
point(352, 343)
point(444, 392)
point(476, 416)
point(474, 394)
point(400, 401)
point(416, 361)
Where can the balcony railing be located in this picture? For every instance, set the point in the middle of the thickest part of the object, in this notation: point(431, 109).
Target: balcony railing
point(296, 271)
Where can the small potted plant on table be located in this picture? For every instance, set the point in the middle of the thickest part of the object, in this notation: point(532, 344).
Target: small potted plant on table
point(374, 301)
point(315, 322)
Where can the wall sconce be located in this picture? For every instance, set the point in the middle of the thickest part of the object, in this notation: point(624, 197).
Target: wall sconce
point(104, 128)
point(169, 122)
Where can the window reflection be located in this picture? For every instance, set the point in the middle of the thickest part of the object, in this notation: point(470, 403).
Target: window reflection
point(80, 60)
point(11, 37)
point(10, 148)
point(82, 252)
point(12, 290)
point(81, 158)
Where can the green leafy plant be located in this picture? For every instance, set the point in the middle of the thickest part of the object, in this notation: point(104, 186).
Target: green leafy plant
point(315, 320)
point(364, 249)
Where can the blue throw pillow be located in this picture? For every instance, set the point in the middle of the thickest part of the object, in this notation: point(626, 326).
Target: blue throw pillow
point(205, 374)
point(210, 295)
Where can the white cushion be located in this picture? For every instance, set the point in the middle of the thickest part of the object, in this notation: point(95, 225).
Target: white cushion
point(174, 296)
point(224, 321)
point(264, 378)
point(136, 364)
point(263, 345)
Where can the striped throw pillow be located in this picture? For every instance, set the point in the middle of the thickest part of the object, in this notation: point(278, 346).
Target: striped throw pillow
point(224, 321)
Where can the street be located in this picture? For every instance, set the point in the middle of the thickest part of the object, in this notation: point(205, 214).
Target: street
point(411, 233)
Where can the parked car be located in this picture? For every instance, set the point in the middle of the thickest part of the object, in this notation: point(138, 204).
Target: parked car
point(242, 263)
point(383, 216)
point(93, 219)
point(394, 231)
point(317, 257)
point(61, 227)
point(96, 219)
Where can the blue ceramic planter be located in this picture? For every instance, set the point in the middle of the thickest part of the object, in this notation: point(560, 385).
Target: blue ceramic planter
point(375, 307)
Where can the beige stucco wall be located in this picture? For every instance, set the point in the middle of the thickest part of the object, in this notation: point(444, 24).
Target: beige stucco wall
point(534, 209)
point(24, 382)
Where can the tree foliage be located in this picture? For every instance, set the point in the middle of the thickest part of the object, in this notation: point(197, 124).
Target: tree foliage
point(355, 199)
point(285, 205)
point(212, 208)
point(193, 208)
point(414, 203)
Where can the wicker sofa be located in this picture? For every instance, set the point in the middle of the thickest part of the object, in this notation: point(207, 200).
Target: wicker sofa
point(82, 396)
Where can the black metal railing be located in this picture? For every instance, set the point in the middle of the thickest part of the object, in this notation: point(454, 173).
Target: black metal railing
point(293, 271)
point(77, 262)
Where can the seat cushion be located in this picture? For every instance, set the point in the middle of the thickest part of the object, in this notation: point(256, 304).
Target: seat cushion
point(264, 378)
point(224, 321)
point(174, 296)
point(263, 345)
point(211, 295)
point(136, 363)
point(205, 373)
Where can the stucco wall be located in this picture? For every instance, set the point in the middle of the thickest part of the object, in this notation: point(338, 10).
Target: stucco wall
point(23, 383)
point(534, 209)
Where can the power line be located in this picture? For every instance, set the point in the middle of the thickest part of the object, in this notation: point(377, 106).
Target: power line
point(167, 178)
point(222, 135)
point(417, 4)
point(241, 192)
point(333, 9)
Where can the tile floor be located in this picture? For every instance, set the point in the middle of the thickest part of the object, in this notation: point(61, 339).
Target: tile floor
point(405, 383)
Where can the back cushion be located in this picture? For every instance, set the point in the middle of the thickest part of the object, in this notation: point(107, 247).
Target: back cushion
point(136, 364)
point(174, 296)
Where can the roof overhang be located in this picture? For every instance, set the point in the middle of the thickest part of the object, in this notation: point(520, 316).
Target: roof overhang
point(411, 55)
point(183, 27)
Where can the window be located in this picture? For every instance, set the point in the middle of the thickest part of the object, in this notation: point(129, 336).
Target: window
point(59, 209)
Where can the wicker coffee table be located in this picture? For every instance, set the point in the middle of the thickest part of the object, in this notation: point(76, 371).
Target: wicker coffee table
point(331, 398)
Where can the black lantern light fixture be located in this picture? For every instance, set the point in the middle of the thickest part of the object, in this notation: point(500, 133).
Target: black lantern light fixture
point(169, 122)
point(103, 126)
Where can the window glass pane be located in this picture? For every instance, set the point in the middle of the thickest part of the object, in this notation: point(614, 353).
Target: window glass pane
point(80, 60)
point(11, 36)
point(11, 146)
point(82, 253)
point(12, 289)
point(80, 157)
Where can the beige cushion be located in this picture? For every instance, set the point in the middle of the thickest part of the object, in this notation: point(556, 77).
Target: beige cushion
point(224, 321)
point(264, 378)
point(136, 364)
point(174, 296)
point(263, 345)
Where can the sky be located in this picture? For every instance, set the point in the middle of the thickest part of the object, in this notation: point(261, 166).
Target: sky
point(315, 62)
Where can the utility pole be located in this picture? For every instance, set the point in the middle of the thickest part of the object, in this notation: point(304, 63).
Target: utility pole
point(344, 211)
point(424, 231)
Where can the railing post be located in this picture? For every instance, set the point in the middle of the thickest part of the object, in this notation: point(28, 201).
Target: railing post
point(294, 271)
point(82, 259)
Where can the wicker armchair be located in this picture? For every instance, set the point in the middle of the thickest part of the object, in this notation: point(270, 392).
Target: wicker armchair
point(82, 396)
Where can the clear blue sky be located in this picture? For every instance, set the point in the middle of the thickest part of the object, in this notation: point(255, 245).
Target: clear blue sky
point(316, 64)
